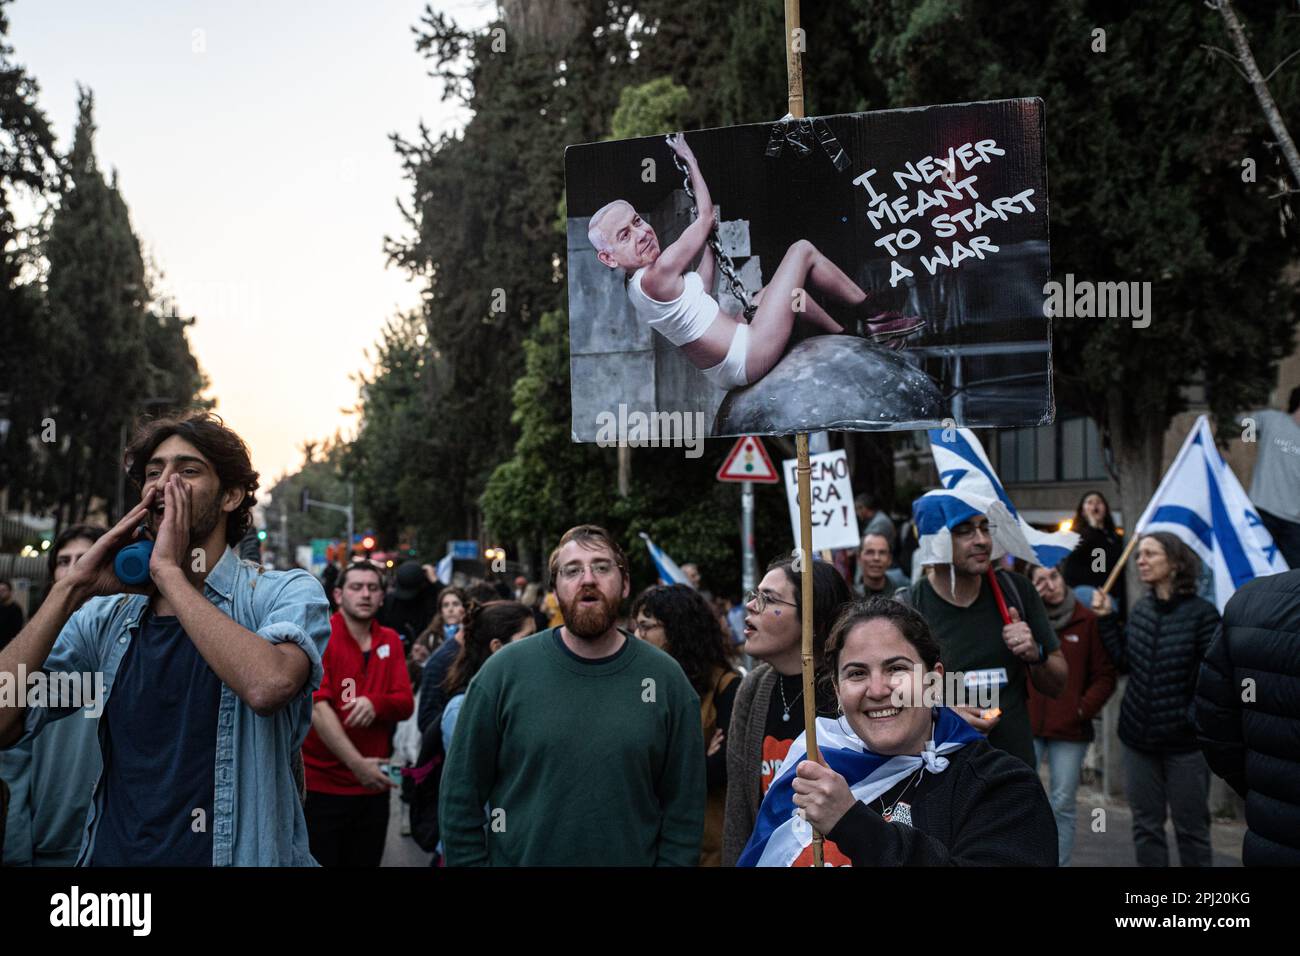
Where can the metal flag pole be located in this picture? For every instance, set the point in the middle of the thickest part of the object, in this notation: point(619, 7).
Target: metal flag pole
point(794, 77)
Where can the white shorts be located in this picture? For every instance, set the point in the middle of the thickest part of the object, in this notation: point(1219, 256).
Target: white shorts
point(730, 372)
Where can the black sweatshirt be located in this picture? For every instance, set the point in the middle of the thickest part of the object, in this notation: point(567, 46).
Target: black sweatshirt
point(986, 809)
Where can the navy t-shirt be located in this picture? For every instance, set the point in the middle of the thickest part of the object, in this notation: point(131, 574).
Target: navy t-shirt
point(160, 751)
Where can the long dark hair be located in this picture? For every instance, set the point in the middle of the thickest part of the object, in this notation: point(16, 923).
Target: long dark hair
point(691, 626)
point(218, 443)
point(433, 632)
point(484, 623)
point(1184, 565)
point(830, 592)
point(1081, 521)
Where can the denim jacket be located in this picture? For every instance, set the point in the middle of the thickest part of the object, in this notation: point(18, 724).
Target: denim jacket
point(257, 815)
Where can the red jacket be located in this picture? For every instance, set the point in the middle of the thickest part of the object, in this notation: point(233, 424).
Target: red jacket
point(382, 679)
point(1090, 683)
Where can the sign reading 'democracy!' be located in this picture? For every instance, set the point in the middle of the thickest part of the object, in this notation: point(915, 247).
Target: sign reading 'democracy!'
point(867, 271)
point(834, 519)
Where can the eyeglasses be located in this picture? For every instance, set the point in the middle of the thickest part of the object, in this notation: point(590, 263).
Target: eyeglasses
point(761, 600)
point(969, 530)
point(645, 627)
point(601, 569)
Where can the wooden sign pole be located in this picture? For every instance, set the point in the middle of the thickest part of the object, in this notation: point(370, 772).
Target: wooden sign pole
point(803, 470)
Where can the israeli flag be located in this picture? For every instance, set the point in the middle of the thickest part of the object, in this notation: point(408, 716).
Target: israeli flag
point(666, 567)
point(1201, 501)
point(964, 468)
point(781, 835)
point(443, 569)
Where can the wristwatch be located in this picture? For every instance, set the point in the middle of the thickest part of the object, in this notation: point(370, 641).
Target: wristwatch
point(1042, 655)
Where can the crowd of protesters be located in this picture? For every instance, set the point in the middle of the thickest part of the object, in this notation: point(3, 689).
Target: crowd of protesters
point(570, 721)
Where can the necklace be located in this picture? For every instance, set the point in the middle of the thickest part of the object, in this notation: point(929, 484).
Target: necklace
point(780, 683)
point(888, 812)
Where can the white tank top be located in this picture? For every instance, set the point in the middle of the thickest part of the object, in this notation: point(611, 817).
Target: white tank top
point(684, 319)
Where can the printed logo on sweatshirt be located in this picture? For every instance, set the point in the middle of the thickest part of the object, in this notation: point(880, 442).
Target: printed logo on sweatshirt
point(383, 651)
point(774, 752)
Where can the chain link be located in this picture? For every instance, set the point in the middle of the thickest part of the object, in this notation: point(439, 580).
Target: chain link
point(725, 265)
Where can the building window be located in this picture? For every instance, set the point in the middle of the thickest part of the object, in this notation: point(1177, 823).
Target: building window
point(1067, 450)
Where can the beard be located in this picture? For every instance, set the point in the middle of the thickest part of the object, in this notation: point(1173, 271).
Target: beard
point(204, 518)
point(589, 622)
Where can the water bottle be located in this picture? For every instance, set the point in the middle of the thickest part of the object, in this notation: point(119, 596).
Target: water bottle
point(132, 563)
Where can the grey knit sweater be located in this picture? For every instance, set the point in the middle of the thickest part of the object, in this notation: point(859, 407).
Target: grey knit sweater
point(744, 760)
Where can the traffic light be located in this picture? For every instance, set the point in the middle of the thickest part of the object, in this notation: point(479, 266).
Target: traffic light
point(261, 534)
point(302, 501)
point(368, 543)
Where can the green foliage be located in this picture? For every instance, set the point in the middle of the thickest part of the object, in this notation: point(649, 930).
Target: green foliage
point(1144, 144)
point(649, 109)
point(397, 444)
point(324, 474)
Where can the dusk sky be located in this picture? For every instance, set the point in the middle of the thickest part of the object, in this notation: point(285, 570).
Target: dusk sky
point(251, 145)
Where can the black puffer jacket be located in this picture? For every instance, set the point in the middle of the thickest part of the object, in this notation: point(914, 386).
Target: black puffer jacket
point(1161, 649)
point(1254, 744)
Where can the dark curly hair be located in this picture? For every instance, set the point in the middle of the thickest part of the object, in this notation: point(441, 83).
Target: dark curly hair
point(484, 623)
point(693, 637)
point(219, 444)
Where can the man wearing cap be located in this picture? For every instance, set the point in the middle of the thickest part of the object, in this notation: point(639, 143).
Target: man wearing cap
point(959, 598)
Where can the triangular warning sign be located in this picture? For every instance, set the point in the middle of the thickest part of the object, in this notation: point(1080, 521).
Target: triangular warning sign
point(748, 461)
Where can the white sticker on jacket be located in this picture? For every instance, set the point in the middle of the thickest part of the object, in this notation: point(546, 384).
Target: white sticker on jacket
point(992, 677)
point(383, 650)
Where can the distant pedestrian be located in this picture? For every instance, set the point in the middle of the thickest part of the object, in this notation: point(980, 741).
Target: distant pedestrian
point(875, 576)
point(1098, 552)
point(487, 629)
point(1275, 484)
point(1062, 725)
point(363, 695)
point(677, 619)
point(872, 519)
point(1161, 648)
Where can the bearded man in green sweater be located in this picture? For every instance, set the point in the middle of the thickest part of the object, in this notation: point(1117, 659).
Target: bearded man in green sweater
point(578, 746)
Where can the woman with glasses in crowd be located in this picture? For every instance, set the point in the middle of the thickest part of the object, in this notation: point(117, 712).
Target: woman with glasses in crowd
point(677, 619)
point(769, 711)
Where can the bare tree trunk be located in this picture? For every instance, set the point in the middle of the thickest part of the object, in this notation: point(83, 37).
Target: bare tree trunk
point(1137, 440)
point(1260, 86)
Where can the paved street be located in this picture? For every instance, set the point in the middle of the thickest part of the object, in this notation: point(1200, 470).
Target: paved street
point(1113, 847)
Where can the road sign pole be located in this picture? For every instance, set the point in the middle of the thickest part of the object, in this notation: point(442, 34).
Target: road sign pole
point(749, 568)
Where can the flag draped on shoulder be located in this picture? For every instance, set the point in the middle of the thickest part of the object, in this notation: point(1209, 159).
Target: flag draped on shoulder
point(964, 469)
point(1201, 501)
point(665, 567)
point(780, 835)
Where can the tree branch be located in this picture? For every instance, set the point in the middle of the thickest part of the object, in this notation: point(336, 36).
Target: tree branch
point(1260, 86)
